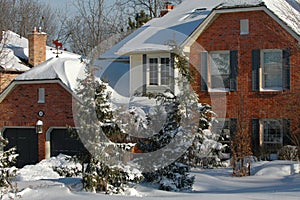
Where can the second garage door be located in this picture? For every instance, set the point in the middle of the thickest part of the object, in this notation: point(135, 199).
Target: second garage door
point(62, 142)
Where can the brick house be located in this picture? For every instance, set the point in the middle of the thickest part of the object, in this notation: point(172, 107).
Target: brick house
point(245, 55)
point(42, 95)
point(249, 60)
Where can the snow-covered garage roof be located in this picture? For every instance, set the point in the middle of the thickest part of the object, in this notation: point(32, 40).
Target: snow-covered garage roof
point(181, 22)
point(67, 70)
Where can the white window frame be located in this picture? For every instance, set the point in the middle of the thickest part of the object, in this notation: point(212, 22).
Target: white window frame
point(210, 70)
point(41, 95)
point(159, 75)
point(262, 124)
point(244, 26)
point(263, 86)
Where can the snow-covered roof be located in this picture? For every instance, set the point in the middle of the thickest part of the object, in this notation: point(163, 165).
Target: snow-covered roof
point(16, 48)
point(10, 62)
point(20, 47)
point(180, 23)
point(66, 70)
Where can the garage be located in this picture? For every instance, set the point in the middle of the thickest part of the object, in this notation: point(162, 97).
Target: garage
point(63, 142)
point(26, 142)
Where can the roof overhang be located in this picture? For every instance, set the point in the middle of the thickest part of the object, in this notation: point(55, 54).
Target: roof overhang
point(161, 49)
point(210, 18)
point(15, 83)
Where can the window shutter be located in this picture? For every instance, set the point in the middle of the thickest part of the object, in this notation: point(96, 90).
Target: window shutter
point(172, 72)
point(286, 132)
point(144, 73)
point(204, 70)
point(255, 136)
point(255, 69)
point(233, 70)
point(286, 69)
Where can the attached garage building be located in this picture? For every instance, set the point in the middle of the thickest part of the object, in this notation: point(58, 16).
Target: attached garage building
point(44, 93)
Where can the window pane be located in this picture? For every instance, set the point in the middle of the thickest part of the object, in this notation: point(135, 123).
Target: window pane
point(220, 70)
point(272, 132)
point(272, 69)
point(153, 71)
point(165, 71)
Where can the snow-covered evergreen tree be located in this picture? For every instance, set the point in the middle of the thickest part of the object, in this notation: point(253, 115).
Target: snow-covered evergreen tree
point(175, 175)
point(7, 169)
point(103, 171)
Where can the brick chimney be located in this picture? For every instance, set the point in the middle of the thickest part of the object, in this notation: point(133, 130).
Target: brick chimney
point(167, 9)
point(37, 47)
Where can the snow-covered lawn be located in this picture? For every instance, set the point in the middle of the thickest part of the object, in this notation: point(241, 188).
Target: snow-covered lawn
point(269, 180)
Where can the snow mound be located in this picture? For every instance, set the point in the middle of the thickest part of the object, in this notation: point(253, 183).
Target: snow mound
point(278, 168)
point(44, 169)
point(10, 62)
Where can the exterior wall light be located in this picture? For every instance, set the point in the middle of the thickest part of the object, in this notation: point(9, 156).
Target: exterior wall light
point(39, 126)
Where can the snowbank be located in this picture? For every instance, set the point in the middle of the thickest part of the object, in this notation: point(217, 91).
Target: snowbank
point(277, 168)
point(44, 169)
point(270, 180)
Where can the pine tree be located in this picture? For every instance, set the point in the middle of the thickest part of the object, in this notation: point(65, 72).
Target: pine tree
point(140, 19)
point(7, 170)
point(174, 176)
point(94, 117)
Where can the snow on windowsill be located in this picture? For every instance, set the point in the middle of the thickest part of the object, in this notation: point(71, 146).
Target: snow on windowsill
point(274, 89)
point(219, 90)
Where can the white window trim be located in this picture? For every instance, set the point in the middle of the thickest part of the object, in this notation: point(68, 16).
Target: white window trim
point(261, 131)
point(261, 74)
point(41, 95)
point(209, 73)
point(159, 70)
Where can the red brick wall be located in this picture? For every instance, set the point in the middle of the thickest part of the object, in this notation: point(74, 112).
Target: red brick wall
point(6, 78)
point(21, 107)
point(264, 33)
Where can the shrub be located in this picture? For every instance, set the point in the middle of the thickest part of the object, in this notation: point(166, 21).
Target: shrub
point(289, 153)
point(99, 177)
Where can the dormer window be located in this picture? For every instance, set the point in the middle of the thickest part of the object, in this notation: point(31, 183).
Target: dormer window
point(194, 13)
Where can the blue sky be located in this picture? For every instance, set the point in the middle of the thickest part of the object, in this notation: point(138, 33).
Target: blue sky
point(64, 5)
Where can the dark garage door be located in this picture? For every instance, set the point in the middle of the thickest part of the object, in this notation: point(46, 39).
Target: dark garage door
point(63, 142)
point(26, 142)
